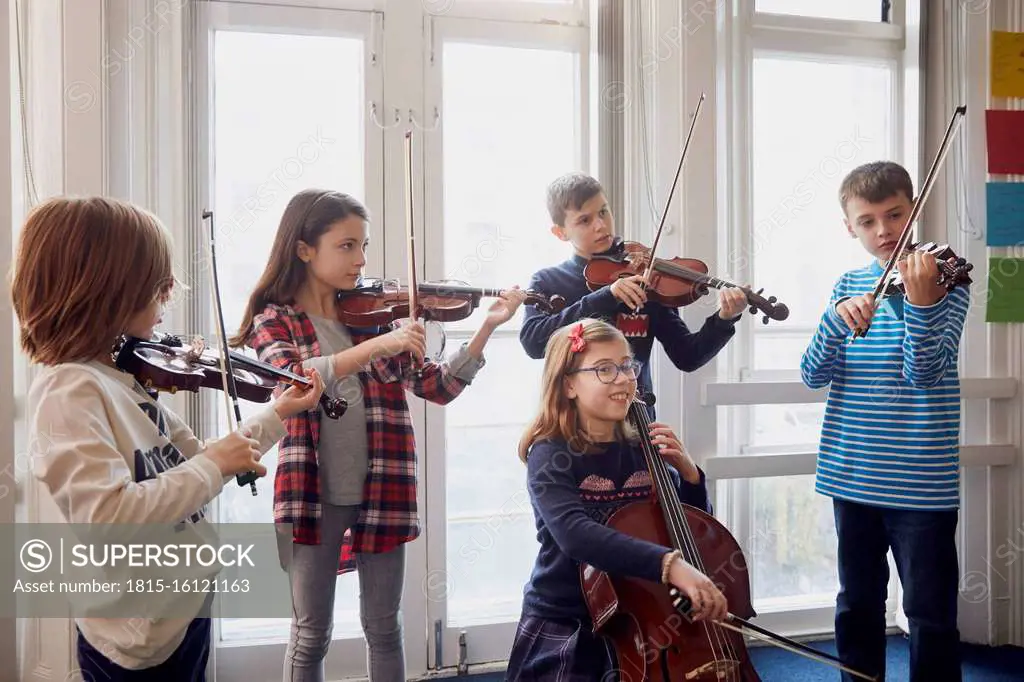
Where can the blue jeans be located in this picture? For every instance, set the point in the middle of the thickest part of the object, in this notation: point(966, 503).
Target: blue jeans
point(924, 546)
point(186, 664)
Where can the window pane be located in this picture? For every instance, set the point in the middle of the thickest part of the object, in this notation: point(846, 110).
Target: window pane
point(792, 549)
point(859, 10)
point(491, 535)
point(501, 150)
point(514, 111)
point(781, 349)
point(813, 122)
point(796, 424)
point(277, 130)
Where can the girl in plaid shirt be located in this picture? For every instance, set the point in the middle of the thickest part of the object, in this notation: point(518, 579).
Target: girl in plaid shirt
point(347, 487)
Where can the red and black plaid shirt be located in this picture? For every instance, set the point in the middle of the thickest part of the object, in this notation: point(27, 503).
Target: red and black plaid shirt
point(284, 336)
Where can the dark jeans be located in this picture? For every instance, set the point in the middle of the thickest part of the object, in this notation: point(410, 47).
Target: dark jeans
point(186, 664)
point(924, 547)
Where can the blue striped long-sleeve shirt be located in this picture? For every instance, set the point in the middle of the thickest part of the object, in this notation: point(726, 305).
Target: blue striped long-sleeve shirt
point(891, 431)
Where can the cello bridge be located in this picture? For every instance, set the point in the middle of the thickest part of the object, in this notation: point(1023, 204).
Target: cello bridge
point(715, 670)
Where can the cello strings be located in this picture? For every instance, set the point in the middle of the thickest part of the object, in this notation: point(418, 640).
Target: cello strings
point(678, 528)
point(683, 538)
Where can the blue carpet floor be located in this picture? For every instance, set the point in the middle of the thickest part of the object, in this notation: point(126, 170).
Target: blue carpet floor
point(980, 664)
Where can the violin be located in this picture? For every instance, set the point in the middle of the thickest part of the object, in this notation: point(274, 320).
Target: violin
point(648, 624)
point(378, 303)
point(167, 363)
point(674, 282)
point(953, 270)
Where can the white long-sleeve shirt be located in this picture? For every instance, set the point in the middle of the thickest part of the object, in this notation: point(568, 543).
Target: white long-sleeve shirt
point(109, 454)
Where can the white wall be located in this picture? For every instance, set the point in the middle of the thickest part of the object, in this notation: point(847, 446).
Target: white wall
point(992, 517)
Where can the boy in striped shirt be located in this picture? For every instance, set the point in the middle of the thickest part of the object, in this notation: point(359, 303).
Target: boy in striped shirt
point(889, 453)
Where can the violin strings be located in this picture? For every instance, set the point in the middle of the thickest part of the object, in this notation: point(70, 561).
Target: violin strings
point(677, 526)
point(683, 271)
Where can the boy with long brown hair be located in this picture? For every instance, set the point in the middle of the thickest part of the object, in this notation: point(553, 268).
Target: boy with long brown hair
point(112, 454)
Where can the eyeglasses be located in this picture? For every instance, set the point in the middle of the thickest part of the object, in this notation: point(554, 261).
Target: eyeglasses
point(608, 372)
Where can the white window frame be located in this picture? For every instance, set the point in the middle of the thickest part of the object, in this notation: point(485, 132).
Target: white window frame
point(485, 644)
point(406, 99)
point(744, 34)
point(261, 661)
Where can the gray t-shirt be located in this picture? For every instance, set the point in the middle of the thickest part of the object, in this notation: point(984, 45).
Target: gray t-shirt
point(343, 452)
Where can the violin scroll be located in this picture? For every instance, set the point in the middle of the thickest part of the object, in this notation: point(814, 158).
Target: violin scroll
point(549, 305)
point(769, 307)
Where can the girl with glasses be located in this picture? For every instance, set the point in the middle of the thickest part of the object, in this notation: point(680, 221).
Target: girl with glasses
point(583, 464)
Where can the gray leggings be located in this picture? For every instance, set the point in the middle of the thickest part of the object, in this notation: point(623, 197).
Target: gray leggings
point(312, 572)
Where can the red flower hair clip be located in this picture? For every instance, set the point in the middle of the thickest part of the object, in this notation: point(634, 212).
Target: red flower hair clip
point(577, 342)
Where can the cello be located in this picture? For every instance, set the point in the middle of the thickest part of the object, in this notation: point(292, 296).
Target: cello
point(648, 624)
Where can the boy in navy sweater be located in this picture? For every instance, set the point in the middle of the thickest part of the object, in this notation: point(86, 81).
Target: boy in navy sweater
point(581, 216)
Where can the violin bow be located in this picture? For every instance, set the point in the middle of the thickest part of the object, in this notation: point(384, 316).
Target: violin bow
point(413, 293)
point(228, 374)
point(675, 181)
point(411, 235)
point(790, 645)
point(926, 187)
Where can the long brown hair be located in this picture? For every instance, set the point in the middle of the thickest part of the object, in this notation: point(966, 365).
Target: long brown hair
point(72, 295)
point(558, 417)
point(308, 215)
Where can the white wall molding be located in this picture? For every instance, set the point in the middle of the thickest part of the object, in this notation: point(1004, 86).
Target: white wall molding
point(795, 392)
point(727, 467)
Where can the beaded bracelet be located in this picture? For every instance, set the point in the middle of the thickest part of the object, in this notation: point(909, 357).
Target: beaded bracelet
point(666, 564)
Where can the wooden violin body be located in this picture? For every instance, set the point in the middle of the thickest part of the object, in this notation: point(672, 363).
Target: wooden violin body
point(674, 282)
point(653, 639)
point(168, 364)
point(662, 288)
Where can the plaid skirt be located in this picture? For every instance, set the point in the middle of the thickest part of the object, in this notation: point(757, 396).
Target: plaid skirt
point(547, 650)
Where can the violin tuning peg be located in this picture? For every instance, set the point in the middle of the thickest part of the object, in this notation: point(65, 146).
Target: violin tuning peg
point(753, 310)
point(764, 319)
point(772, 299)
point(760, 291)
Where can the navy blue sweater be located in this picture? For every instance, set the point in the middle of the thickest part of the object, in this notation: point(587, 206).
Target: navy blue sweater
point(687, 350)
point(573, 495)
